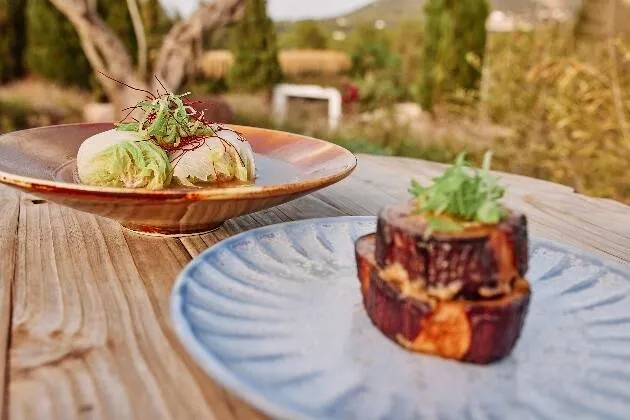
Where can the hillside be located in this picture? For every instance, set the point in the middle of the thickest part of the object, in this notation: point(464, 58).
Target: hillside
point(394, 11)
point(387, 10)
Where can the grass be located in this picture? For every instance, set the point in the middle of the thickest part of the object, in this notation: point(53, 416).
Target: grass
point(569, 105)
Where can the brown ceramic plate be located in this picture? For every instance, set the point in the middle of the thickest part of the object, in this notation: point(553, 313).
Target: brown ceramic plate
point(42, 161)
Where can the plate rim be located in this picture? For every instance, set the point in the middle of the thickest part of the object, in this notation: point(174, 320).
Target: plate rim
point(38, 185)
point(220, 374)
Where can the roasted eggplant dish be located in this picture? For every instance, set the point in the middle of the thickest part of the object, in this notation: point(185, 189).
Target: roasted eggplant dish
point(444, 274)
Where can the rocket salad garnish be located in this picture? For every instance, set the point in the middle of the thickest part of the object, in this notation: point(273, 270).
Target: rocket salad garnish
point(460, 195)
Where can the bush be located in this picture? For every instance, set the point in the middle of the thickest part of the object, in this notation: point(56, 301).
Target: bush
point(53, 49)
point(255, 50)
point(370, 50)
point(407, 43)
point(13, 116)
point(306, 34)
point(12, 41)
point(453, 48)
point(375, 67)
point(569, 106)
point(31, 103)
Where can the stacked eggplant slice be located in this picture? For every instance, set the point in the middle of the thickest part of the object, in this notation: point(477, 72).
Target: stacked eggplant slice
point(458, 293)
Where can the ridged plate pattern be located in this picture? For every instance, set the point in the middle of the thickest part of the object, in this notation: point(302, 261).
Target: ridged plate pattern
point(275, 315)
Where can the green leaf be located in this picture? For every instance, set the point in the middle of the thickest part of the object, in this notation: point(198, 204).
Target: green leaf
point(489, 212)
point(461, 193)
point(131, 126)
point(443, 225)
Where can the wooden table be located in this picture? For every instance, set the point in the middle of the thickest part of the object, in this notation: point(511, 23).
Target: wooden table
point(84, 304)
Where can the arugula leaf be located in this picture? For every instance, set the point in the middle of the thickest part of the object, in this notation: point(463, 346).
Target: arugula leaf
point(443, 225)
point(469, 196)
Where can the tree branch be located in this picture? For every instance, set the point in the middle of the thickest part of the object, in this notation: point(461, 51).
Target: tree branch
point(178, 48)
point(106, 52)
point(103, 49)
point(138, 28)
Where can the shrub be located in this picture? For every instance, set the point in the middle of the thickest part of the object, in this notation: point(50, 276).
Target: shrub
point(13, 116)
point(375, 67)
point(407, 43)
point(370, 50)
point(255, 50)
point(453, 48)
point(53, 49)
point(306, 34)
point(12, 41)
point(569, 106)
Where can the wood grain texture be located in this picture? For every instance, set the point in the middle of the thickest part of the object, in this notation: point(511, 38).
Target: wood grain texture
point(9, 211)
point(90, 334)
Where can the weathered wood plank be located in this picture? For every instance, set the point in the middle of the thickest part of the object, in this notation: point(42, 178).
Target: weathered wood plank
point(91, 335)
point(9, 213)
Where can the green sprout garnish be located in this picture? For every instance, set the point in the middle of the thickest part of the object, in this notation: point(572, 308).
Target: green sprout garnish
point(168, 121)
point(461, 195)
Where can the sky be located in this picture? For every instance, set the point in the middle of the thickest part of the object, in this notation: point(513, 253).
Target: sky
point(286, 9)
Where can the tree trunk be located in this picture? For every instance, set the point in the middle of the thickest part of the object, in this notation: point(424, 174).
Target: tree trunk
point(107, 54)
point(182, 44)
point(141, 37)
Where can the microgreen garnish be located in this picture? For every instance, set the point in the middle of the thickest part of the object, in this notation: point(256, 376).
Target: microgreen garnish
point(461, 194)
point(169, 122)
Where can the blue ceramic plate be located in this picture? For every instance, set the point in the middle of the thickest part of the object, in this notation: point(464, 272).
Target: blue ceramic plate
point(275, 315)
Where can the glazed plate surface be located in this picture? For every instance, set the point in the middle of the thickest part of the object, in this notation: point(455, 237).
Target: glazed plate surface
point(275, 315)
point(42, 161)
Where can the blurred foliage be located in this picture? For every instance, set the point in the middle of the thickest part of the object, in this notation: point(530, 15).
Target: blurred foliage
point(13, 116)
point(12, 40)
point(27, 104)
point(380, 138)
point(407, 40)
point(453, 48)
point(205, 86)
point(53, 49)
point(569, 105)
point(565, 105)
point(255, 50)
point(116, 16)
point(375, 67)
point(380, 89)
point(157, 23)
point(306, 34)
point(218, 39)
point(370, 50)
point(19, 115)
